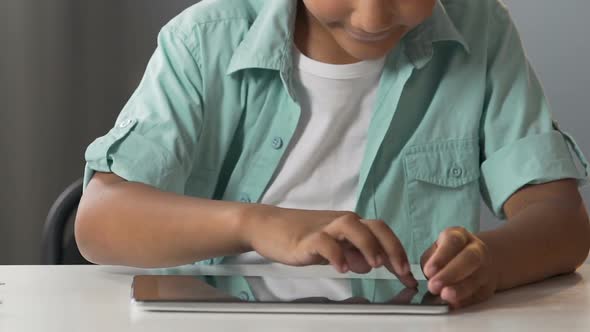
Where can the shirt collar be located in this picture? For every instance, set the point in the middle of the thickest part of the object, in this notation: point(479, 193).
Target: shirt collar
point(419, 43)
point(267, 45)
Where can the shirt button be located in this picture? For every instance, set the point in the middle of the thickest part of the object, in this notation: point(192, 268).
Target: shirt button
point(125, 123)
point(245, 198)
point(457, 172)
point(244, 296)
point(277, 143)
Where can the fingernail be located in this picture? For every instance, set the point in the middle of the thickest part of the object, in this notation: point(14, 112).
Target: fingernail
point(431, 271)
point(406, 269)
point(436, 286)
point(378, 260)
point(448, 293)
point(413, 281)
point(344, 268)
point(372, 261)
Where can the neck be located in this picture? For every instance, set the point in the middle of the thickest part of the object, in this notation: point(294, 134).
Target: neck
point(316, 42)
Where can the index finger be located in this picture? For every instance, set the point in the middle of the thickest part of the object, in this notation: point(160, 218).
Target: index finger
point(405, 296)
point(350, 228)
point(462, 266)
point(449, 244)
point(396, 254)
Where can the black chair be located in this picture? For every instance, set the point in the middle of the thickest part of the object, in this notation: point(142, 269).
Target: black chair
point(58, 242)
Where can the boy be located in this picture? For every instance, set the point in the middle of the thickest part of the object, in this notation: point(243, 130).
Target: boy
point(358, 133)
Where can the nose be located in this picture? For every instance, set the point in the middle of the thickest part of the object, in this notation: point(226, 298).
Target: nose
point(373, 16)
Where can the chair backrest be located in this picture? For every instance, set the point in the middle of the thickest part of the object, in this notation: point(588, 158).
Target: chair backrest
point(58, 242)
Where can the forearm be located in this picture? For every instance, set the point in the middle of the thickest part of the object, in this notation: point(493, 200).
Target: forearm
point(132, 224)
point(538, 243)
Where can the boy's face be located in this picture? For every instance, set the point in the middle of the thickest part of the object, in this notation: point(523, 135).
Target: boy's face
point(362, 29)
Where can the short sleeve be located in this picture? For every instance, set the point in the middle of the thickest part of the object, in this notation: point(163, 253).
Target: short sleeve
point(521, 143)
point(155, 135)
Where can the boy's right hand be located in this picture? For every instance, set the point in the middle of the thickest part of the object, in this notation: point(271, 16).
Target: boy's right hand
point(342, 239)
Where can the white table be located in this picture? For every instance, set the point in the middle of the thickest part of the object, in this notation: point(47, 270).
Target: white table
point(91, 298)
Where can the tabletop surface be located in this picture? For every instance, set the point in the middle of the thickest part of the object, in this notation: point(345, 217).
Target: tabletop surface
point(97, 298)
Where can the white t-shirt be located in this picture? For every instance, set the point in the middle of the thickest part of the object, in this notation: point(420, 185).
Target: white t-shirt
point(321, 167)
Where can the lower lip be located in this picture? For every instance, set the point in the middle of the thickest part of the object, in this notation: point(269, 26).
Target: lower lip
point(368, 38)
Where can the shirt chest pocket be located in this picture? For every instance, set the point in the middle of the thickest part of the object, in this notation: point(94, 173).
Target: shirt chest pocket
point(442, 189)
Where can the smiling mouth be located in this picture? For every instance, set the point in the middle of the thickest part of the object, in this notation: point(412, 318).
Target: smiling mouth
point(368, 37)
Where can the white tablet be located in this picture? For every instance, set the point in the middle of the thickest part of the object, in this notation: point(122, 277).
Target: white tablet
point(196, 294)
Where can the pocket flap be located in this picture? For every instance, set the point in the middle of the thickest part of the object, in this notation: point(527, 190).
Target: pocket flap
point(449, 165)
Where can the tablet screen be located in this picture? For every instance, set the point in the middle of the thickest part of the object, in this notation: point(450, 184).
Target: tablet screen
point(168, 288)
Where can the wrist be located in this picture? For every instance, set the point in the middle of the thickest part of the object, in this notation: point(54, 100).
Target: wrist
point(249, 217)
point(491, 240)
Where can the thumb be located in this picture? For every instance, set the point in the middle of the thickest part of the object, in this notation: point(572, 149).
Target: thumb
point(426, 256)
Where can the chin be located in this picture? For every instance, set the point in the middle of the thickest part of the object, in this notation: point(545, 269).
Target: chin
point(368, 54)
point(368, 51)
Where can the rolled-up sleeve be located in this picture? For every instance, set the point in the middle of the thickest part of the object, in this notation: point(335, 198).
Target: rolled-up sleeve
point(521, 143)
point(154, 138)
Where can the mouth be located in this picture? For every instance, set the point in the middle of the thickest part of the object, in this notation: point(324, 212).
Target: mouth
point(367, 37)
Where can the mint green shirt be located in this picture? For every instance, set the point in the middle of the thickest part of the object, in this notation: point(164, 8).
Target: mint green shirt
point(459, 115)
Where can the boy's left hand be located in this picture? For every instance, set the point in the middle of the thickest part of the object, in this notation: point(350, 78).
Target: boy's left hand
point(460, 268)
